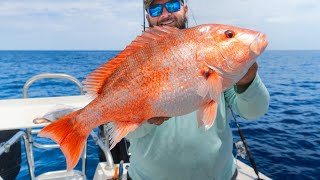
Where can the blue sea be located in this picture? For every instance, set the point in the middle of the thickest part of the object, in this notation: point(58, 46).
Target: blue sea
point(285, 143)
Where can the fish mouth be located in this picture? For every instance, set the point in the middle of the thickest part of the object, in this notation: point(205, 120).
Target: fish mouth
point(259, 44)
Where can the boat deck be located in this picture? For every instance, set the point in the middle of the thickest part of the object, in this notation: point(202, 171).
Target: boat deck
point(20, 113)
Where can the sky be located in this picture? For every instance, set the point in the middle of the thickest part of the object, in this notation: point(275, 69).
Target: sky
point(113, 24)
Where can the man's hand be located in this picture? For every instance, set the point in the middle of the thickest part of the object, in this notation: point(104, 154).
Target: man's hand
point(247, 79)
point(158, 120)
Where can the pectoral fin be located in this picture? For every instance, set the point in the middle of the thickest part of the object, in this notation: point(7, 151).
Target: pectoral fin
point(207, 114)
point(203, 88)
point(215, 86)
point(211, 83)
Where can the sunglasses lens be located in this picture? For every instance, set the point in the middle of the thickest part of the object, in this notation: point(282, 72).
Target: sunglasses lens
point(155, 10)
point(173, 6)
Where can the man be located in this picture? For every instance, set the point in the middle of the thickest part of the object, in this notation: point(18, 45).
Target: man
point(175, 148)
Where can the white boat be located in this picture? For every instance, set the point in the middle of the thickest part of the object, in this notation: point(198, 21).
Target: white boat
point(20, 114)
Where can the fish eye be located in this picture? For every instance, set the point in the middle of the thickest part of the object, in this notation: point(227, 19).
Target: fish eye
point(229, 33)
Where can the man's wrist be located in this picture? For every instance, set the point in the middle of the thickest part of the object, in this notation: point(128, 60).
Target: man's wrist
point(243, 87)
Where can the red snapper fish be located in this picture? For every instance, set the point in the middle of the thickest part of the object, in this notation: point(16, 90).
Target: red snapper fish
point(165, 72)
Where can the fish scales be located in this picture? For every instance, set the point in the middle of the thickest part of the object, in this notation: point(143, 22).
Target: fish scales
point(165, 72)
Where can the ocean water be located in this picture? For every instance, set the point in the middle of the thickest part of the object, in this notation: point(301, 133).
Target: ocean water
point(285, 143)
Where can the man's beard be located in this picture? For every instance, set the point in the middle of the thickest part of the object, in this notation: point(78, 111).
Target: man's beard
point(182, 24)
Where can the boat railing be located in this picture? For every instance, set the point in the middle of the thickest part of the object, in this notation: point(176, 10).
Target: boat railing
point(32, 142)
point(29, 141)
point(5, 148)
point(43, 146)
point(104, 146)
point(51, 76)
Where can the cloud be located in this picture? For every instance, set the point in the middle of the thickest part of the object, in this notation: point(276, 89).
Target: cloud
point(112, 24)
point(281, 20)
point(70, 20)
point(255, 11)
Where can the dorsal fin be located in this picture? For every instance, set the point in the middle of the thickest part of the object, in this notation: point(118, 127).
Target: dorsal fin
point(95, 81)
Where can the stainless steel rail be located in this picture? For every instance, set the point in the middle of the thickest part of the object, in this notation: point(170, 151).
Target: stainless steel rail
point(5, 147)
point(105, 148)
point(50, 76)
point(43, 146)
point(29, 141)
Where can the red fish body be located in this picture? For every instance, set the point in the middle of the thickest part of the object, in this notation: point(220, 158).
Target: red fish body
point(165, 72)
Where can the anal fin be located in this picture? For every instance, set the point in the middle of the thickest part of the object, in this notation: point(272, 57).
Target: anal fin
point(118, 130)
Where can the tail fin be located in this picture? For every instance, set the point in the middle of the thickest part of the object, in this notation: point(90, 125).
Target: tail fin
point(69, 134)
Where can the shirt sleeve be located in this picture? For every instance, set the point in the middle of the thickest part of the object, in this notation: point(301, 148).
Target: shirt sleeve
point(143, 130)
point(253, 102)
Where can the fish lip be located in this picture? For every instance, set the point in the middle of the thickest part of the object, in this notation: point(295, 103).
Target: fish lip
point(258, 45)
